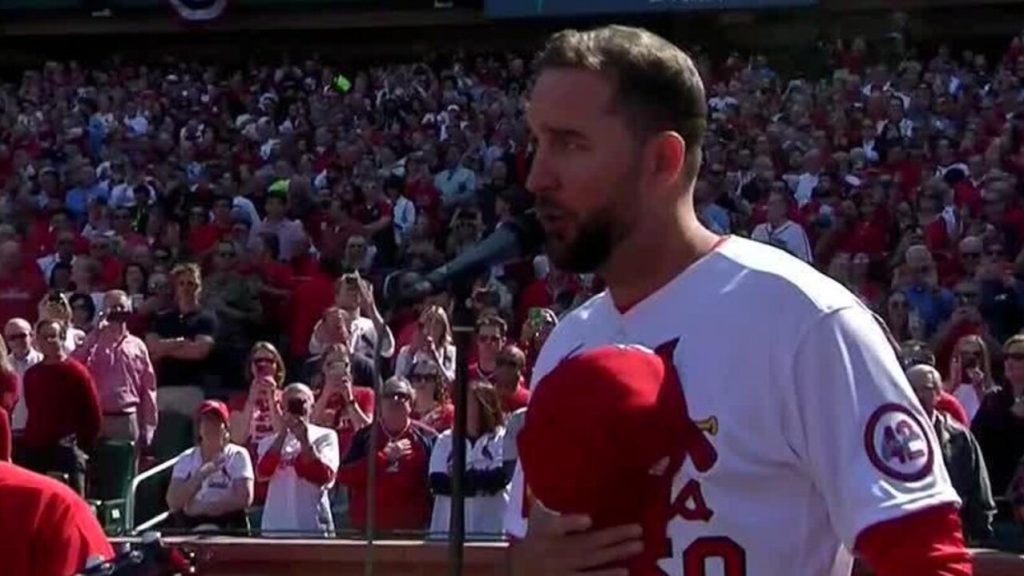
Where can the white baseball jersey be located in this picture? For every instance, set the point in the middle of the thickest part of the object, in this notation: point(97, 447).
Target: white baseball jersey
point(816, 432)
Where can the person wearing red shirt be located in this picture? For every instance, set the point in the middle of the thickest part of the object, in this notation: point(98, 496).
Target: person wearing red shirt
point(491, 332)
point(544, 292)
point(277, 279)
point(431, 405)
point(309, 300)
point(203, 238)
point(45, 528)
point(21, 286)
point(62, 403)
point(339, 405)
point(402, 456)
point(508, 379)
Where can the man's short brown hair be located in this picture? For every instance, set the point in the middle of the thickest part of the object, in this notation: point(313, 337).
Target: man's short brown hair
point(656, 83)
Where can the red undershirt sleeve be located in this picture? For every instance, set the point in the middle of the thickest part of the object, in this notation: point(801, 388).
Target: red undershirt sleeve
point(926, 543)
point(310, 468)
point(268, 464)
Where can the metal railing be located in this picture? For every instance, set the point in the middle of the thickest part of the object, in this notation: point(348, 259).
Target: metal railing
point(129, 505)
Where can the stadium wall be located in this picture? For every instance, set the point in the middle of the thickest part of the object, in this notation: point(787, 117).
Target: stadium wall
point(252, 557)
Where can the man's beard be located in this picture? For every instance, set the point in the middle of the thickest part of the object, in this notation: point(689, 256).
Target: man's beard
point(591, 247)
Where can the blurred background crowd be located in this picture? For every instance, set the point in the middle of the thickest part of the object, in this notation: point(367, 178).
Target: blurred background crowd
point(192, 257)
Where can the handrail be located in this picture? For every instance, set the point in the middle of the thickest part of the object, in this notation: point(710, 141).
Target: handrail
point(129, 505)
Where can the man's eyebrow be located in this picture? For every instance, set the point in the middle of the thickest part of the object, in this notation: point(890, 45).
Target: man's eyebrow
point(565, 133)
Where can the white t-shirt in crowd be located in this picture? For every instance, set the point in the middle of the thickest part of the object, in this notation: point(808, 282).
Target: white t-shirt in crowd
point(217, 486)
point(816, 431)
point(484, 514)
point(790, 236)
point(297, 507)
point(514, 423)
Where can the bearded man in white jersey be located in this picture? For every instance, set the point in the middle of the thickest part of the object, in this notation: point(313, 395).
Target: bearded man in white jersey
point(801, 441)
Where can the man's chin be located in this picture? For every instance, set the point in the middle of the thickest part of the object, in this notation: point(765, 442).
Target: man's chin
point(567, 257)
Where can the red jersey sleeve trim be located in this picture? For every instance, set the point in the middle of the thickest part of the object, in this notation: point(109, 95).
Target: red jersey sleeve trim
point(268, 465)
point(925, 543)
point(310, 468)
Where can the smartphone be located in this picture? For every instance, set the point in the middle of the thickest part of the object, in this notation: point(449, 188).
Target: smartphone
point(118, 316)
point(536, 318)
point(296, 407)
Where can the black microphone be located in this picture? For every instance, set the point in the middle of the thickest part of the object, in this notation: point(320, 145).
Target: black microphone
point(510, 240)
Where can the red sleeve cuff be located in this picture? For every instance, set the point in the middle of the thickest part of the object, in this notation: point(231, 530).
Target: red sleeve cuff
point(310, 468)
point(925, 543)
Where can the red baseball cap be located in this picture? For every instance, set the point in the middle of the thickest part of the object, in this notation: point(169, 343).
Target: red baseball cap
point(215, 407)
point(605, 432)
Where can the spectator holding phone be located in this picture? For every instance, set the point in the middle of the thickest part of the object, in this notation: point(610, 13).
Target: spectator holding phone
point(970, 373)
point(300, 463)
point(431, 341)
point(999, 423)
point(120, 365)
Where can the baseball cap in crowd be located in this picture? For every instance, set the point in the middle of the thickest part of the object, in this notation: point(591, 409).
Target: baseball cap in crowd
point(610, 421)
point(216, 408)
point(279, 188)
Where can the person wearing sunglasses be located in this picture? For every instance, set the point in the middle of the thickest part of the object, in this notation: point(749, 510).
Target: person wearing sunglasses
point(253, 415)
point(22, 355)
point(431, 403)
point(970, 373)
point(999, 423)
point(403, 453)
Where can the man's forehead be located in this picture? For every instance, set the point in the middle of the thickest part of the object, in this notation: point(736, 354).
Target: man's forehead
point(568, 97)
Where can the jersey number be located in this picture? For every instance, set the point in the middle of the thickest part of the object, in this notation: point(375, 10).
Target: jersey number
point(696, 555)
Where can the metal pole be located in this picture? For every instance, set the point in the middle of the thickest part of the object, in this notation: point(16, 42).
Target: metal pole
point(462, 332)
point(371, 465)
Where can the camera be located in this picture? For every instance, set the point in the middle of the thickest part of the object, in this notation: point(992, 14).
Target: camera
point(296, 407)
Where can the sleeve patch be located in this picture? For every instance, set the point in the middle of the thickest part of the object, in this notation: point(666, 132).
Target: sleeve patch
point(897, 444)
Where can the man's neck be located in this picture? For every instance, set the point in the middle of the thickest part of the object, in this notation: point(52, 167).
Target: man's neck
point(186, 306)
point(21, 355)
point(486, 364)
point(644, 263)
point(1017, 388)
point(395, 427)
point(776, 222)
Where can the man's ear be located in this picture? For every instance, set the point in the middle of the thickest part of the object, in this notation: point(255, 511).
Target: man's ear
point(666, 153)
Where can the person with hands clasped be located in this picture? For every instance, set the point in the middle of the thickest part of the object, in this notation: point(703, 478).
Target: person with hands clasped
point(402, 455)
point(212, 482)
point(300, 461)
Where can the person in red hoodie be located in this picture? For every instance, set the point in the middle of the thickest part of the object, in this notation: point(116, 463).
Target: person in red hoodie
point(402, 456)
point(64, 414)
point(45, 528)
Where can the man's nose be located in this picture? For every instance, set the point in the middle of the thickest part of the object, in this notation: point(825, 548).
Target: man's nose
point(542, 178)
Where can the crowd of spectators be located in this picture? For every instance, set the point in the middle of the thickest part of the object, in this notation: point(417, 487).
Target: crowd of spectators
point(185, 240)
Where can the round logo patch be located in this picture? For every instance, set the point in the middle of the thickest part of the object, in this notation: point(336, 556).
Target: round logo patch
point(897, 444)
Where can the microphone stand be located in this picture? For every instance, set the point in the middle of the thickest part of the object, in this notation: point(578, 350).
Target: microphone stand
point(463, 328)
